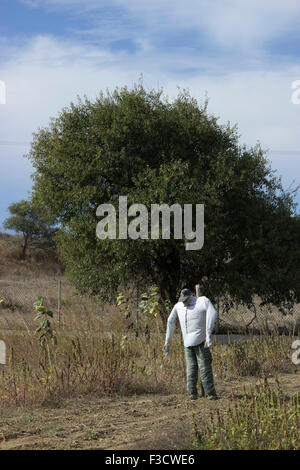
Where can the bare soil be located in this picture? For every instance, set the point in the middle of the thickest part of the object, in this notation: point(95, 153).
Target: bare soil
point(142, 422)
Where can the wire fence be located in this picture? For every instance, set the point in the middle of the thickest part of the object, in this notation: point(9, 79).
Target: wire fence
point(17, 296)
point(241, 318)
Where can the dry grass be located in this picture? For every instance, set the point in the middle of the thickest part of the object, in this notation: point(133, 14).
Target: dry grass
point(97, 355)
point(241, 318)
point(264, 419)
point(89, 361)
point(263, 355)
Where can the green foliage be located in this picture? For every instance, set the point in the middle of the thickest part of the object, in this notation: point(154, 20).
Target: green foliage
point(44, 330)
point(151, 303)
point(30, 219)
point(261, 420)
point(123, 341)
point(137, 143)
point(124, 304)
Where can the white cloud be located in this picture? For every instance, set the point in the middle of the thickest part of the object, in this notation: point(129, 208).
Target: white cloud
point(232, 24)
point(226, 21)
point(44, 74)
point(47, 74)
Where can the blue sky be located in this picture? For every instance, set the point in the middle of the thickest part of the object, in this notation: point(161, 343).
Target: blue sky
point(243, 54)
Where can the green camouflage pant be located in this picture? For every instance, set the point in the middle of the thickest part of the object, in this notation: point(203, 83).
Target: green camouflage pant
point(199, 357)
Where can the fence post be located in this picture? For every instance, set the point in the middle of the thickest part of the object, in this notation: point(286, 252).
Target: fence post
point(58, 301)
point(197, 289)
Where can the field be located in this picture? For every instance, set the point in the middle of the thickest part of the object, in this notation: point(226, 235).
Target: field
point(147, 421)
point(101, 387)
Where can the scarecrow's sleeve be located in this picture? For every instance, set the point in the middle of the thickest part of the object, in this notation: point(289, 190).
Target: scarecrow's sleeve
point(171, 324)
point(211, 317)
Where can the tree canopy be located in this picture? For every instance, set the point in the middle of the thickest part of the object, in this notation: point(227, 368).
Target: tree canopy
point(136, 143)
point(31, 220)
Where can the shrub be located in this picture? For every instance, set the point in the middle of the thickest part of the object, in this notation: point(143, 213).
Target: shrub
point(262, 420)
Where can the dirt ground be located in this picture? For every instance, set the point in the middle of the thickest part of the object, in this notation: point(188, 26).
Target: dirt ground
point(142, 422)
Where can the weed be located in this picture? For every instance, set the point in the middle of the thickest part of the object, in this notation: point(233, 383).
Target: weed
point(261, 420)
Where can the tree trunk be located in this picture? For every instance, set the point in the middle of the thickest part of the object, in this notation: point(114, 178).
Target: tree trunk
point(24, 247)
point(168, 285)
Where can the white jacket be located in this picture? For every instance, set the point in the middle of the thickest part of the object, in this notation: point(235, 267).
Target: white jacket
point(196, 320)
